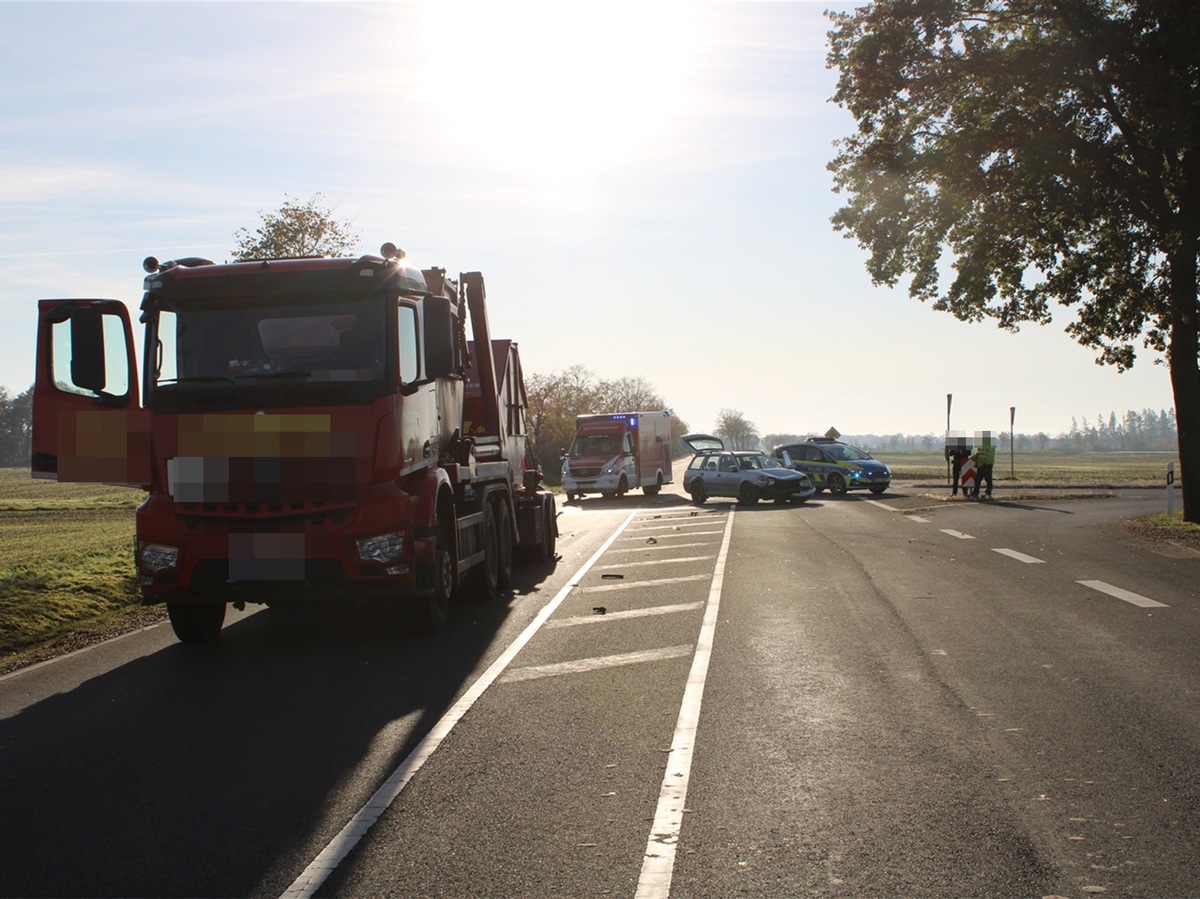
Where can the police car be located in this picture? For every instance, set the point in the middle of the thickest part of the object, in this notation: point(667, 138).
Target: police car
point(836, 467)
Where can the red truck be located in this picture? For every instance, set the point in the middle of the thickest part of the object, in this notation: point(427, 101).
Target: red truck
point(309, 429)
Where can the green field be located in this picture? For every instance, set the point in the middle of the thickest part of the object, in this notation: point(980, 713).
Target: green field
point(66, 566)
point(1042, 468)
point(66, 550)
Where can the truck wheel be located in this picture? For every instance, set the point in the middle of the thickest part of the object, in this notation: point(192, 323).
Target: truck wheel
point(487, 577)
point(652, 489)
point(622, 487)
point(433, 615)
point(544, 551)
point(836, 484)
point(748, 494)
point(504, 533)
point(196, 622)
point(437, 606)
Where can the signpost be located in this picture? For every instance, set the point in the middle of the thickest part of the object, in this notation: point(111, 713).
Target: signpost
point(949, 398)
point(1012, 420)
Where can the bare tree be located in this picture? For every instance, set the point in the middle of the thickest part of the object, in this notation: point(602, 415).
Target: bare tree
point(737, 432)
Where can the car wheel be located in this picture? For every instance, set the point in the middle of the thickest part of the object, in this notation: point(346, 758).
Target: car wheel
point(698, 494)
point(836, 484)
point(878, 490)
point(748, 494)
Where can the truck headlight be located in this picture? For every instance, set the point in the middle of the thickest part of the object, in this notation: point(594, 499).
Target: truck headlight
point(156, 556)
point(383, 548)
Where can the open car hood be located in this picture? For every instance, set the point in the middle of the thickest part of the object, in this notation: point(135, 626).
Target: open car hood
point(702, 443)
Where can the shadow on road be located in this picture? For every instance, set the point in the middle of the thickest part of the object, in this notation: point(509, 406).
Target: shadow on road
point(222, 769)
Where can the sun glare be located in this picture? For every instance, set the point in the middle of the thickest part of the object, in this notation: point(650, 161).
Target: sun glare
point(558, 92)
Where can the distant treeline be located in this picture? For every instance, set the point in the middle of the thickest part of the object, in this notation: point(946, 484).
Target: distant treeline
point(1144, 431)
point(16, 424)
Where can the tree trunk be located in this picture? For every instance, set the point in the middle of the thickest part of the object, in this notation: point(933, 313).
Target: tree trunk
point(1185, 375)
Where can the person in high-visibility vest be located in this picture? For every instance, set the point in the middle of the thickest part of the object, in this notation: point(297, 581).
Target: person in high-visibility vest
point(985, 458)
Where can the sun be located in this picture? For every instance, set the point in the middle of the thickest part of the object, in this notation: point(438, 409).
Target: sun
point(558, 92)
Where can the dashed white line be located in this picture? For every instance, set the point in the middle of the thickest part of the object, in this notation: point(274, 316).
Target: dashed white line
point(918, 518)
point(635, 535)
point(1020, 557)
point(578, 666)
point(653, 547)
point(628, 613)
point(654, 582)
point(959, 534)
point(655, 562)
point(1133, 598)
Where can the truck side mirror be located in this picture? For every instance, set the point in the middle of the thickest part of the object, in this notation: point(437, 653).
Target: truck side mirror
point(441, 338)
point(87, 349)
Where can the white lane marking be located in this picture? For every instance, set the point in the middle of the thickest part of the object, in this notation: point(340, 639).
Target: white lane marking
point(1135, 598)
point(636, 532)
point(314, 876)
point(636, 536)
point(875, 502)
point(653, 582)
point(619, 616)
point(655, 562)
point(633, 532)
point(959, 534)
point(1020, 557)
point(653, 547)
point(918, 518)
point(579, 666)
point(658, 865)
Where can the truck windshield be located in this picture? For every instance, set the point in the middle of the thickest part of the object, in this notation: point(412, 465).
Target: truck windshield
point(314, 351)
point(596, 445)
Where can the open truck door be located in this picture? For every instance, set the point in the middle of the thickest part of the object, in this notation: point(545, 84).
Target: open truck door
point(88, 425)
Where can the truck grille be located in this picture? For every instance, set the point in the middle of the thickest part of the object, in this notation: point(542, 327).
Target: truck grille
point(245, 516)
point(585, 472)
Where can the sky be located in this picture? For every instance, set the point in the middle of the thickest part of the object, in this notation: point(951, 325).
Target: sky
point(643, 186)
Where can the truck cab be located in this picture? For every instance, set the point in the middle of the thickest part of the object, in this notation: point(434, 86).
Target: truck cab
point(300, 433)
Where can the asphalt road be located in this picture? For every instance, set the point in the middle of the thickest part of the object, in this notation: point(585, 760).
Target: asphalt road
point(861, 695)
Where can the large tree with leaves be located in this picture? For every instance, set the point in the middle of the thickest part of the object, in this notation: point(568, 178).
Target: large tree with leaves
point(296, 229)
point(1015, 155)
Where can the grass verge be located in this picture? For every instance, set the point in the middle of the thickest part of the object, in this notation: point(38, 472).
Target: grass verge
point(57, 604)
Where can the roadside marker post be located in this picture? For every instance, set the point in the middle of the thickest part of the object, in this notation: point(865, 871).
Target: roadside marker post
point(1170, 489)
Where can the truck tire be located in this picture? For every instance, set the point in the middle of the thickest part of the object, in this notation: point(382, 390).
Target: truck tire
point(433, 611)
point(623, 486)
point(487, 574)
point(545, 550)
point(505, 537)
point(652, 489)
point(196, 622)
point(436, 611)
